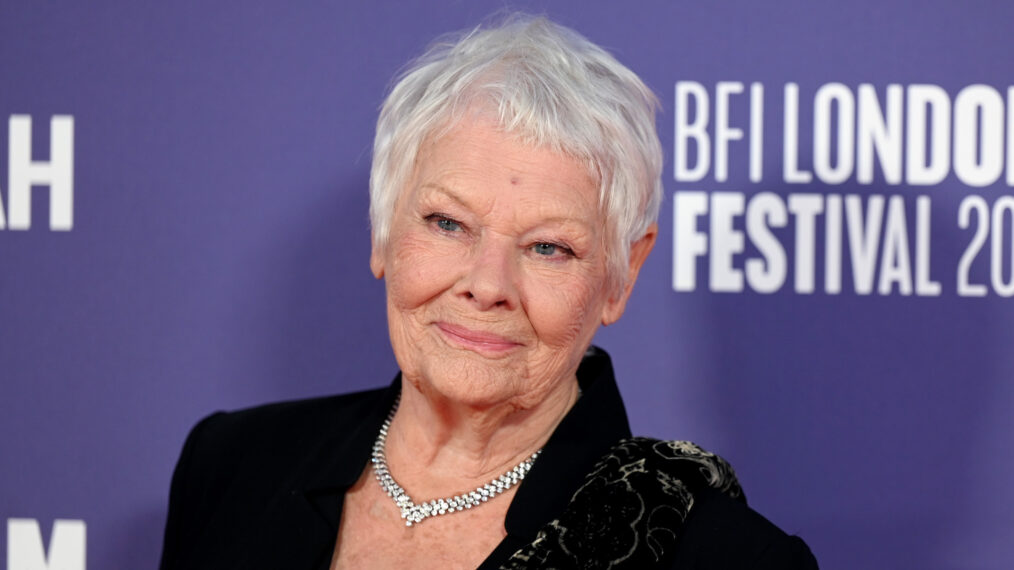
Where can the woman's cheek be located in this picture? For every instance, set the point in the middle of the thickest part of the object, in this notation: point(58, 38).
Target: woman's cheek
point(559, 309)
point(421, 269)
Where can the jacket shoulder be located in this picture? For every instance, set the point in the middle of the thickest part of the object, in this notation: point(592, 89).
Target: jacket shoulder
point(721, 532)
point(270, 444)
point(237, 466)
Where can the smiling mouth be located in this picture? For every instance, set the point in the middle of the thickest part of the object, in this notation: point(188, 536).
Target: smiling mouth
point(478, 341)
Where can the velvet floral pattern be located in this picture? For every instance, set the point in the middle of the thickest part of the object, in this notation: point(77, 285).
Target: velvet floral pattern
point(630, 509)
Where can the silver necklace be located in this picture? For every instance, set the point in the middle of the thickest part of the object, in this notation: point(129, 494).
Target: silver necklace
point(415, 513)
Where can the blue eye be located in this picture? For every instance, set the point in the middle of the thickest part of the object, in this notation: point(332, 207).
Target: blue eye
point(449, 225)
point(552, 251)
point(446, 224)
point(544, 248)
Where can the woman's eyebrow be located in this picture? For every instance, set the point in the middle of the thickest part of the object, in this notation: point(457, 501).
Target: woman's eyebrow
point(440, 188)
point(568, 221)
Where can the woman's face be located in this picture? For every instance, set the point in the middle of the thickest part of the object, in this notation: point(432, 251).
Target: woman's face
point(495, 269)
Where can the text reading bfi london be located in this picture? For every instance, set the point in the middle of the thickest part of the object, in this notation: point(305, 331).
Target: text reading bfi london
point(917, 137)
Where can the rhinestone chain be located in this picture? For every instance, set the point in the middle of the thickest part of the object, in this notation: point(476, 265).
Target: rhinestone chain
point(415, 513)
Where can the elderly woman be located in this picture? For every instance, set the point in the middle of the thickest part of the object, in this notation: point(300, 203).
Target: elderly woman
point(514, 192)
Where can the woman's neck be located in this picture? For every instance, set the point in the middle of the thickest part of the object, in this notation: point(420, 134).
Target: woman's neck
point(437, 448)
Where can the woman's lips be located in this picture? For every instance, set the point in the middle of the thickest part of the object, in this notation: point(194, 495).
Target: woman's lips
point(478, 341)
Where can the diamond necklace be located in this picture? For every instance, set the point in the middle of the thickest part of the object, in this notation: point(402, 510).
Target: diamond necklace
point(415, 513)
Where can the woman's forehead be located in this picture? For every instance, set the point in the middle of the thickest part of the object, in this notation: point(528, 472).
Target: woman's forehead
point(481, 149)
point(484, 170)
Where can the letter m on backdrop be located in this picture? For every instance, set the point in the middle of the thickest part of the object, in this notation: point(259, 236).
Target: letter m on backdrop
point(25, 550)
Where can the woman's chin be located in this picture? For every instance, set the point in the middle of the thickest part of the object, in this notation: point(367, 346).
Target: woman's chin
point(462, 382)
point(448, 374)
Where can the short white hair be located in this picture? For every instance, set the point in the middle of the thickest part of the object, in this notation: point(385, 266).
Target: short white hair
point(551, 87)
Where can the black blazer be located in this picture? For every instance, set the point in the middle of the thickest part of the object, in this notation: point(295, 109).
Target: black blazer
point(263, 487)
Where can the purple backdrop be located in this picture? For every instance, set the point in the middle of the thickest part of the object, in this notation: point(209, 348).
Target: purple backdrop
point(219, 249)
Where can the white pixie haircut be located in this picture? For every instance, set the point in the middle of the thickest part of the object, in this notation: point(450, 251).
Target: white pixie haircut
point(552, 88)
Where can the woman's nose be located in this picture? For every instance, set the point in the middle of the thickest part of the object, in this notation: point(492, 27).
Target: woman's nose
point(491, 278)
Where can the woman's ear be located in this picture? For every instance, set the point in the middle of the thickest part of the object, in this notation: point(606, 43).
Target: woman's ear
point(639, 251)
point(376, 260)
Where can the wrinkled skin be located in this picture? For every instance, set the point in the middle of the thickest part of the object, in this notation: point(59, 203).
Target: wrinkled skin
point(496, 270)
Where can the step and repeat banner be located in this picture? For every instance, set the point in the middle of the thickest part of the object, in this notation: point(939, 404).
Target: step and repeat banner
point(830, 306)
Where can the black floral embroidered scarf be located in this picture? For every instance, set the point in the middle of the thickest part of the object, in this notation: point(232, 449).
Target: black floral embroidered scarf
point(630, 509)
